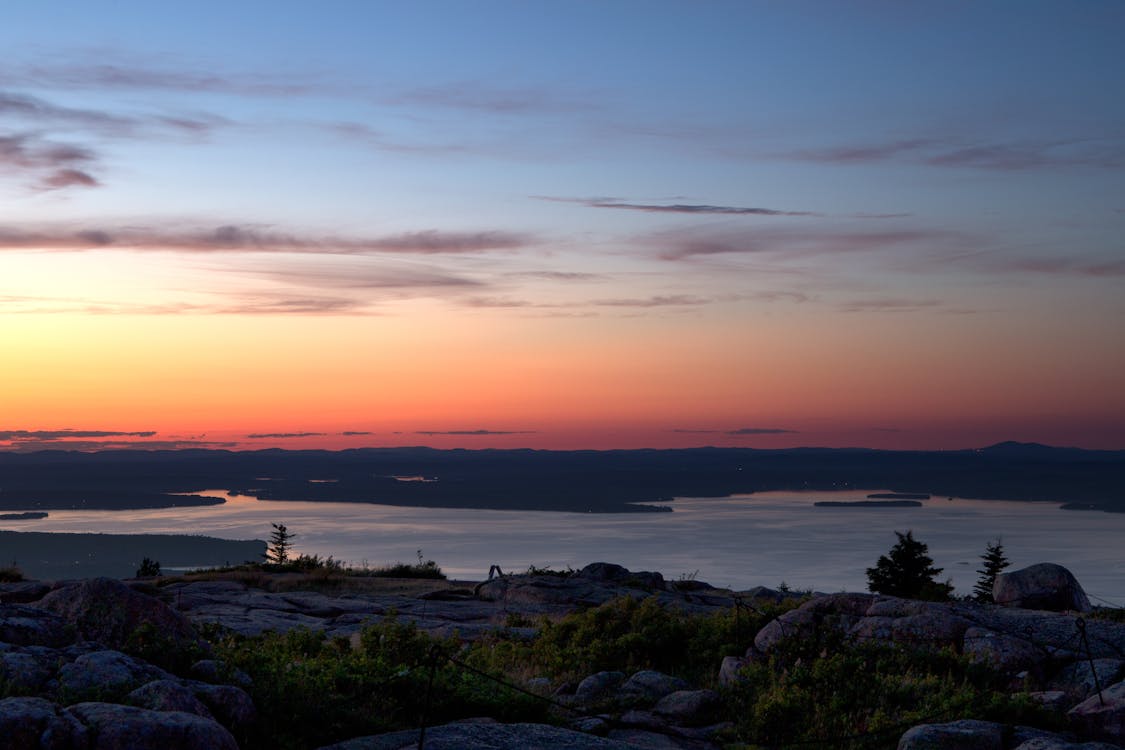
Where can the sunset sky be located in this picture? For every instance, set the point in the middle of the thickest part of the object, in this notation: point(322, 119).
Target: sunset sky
point(562, 224)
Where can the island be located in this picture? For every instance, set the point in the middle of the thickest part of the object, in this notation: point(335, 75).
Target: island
point(868, 503)
point(899, 496)
point(31, 515)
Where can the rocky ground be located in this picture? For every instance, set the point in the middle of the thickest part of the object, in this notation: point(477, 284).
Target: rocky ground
point(63, 651)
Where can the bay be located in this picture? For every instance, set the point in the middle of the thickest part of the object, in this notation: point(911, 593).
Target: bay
point(739, 542)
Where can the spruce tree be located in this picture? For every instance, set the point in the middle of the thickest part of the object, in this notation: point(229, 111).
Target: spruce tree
point(280, 542)
point(908, 571)
point(994, 562)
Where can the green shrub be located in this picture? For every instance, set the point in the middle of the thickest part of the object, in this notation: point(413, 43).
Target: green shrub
point(11, 574)
point(847, 695)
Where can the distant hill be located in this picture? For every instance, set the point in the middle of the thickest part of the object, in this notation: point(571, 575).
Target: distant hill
point(584, 481)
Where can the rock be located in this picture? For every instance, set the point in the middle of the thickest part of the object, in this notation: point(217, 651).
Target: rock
point(763, 594)
point(730, 670)
point(1057, 743)
point(590, 725)
point(649, 686)
point(642, 720)
point(167, 695)
point(1078, 680)
point(1055, 700)
point(476, 736)
point(966, 734)
point(650, 740)
point(27, 669)
point(21, 625)
point(1003, 652)
point(690, 708)
point(1043, 586)
point(231, 706)
point(22, 592)
point(598, 688)
point(115, 727)
point(38, 724)
point(1101, 717)
point(109, 612)
point(105, 674)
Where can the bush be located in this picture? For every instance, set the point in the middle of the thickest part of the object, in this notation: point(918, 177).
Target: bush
point(11, 574)
point(847, 695)
point(149, 568)
point(907, 571)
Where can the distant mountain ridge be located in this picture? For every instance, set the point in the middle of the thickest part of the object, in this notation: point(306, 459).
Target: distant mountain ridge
point(525, 479)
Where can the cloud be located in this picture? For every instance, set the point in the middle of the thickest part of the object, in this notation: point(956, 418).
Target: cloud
point(1062, 266)
point(559, 275)
point(273, 435)
point(673, 300)
point(57, 165)
point(68, 178)
point(697, 432)
point(351, 433)
point(794, 244)
point(889, 304)
point(147, 76)
point(475, 432)
point(31, 446)
point(677, 208)
point(1106, 153)
point(251, 238)
point(67, 434)
point(760, 431)
point(480, 97)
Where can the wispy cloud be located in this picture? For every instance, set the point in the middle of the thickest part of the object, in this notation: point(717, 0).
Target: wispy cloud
point(760, 431)
point(1105, 153)
point(676, 208)
point(251, 238)
point(793, 244)
point(671, 300)
point(889, 304)
point(278, 435)
point(50, 163)
point(69, 434)
point(135, 75)
point(475, 432)
point(353, 433)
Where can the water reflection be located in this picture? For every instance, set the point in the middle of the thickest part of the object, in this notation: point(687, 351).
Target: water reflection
point(739, 541)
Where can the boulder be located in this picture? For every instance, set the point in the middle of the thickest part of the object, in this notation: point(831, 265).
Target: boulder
point(730, 670)
point(38, 724)
point(649, 686)
point(231, 706)
point(105, 674)
point(966, 734)
point(690, 708)
point(21, 625)
point(1058, 743)
point(1005, 653)
point(27, 670)
point(22, 592)
point(598, 688)
point(115, 727)
point(1043, 586)
point(482, 736)
point(1101, 716)
point(167, 695)
point(109, 612)
point(1078, 679)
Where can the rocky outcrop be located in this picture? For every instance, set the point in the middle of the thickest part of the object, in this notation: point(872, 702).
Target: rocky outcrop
point(493, 736)
point(1043, 586)
point(112, 726)
point(109, 612)
point(986, 735)
point(34, 723)
point(1102, 716)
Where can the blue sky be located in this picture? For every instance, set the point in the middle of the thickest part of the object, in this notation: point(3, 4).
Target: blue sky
point(946, 178)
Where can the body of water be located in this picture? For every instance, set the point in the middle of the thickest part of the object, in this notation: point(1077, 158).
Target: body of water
point(740, 542)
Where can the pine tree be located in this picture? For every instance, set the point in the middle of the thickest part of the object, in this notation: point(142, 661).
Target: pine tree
point(280, 543)
point(994, 562)
point(908, 571)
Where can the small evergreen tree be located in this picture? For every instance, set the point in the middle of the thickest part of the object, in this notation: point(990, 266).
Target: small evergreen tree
point(908, 571)
point(281, 541)
point(994, 562)
point(149, 568)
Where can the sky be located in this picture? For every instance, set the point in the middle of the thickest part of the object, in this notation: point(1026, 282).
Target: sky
point(562, 225)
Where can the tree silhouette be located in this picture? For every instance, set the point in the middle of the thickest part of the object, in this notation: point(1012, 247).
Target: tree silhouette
point(994, 562)
point(280, 543)
point(908, 571)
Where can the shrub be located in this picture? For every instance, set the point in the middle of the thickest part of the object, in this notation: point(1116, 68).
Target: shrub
point(11, 574)
point(907, 571)
point(149, 568)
